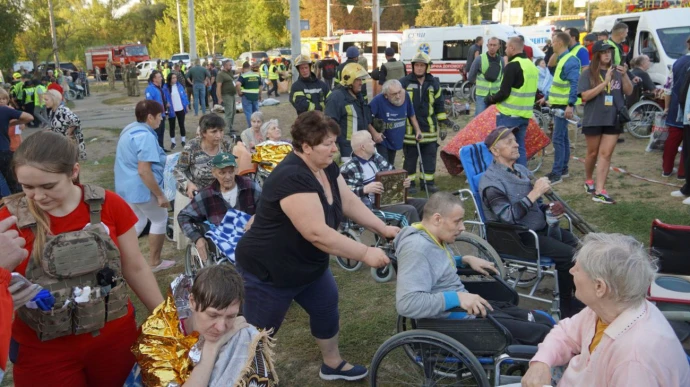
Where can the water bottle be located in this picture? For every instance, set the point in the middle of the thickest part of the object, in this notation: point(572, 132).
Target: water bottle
point(467, 108)
point(561, 114)
point(554, 230)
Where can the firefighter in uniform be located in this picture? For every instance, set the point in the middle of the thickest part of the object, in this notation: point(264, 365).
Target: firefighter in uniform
point(515, 98)
point(352, 54)
point(308, 92)
point(426, 96)
point(110, 70)
point(346, 105)
point(133, 79)
point(393, 69)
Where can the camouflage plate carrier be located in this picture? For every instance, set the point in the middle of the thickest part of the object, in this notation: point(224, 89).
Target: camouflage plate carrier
point(88, 257)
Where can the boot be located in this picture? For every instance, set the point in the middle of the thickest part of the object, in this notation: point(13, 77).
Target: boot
point(431, 186)
point(413, 188)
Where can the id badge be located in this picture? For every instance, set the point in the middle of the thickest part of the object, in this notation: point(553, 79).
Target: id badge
point(608, 100)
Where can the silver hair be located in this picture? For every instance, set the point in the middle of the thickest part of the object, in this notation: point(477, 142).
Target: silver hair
point(358, 138)
point(257, 115)
point(266, 125)
point(389, 84)
point(621, 262)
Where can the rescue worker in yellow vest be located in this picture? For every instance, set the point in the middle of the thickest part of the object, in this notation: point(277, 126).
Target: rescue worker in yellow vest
point(346, 105)
point(393, 69)
point(17, 91)
point(308, 92)
point(28, 102)
point(562, 95)
point(40, 106)
point(515, 98)
point(352, 54)
point(273, 76)
point(263, 71)
point(486, 73)
point(426, 96)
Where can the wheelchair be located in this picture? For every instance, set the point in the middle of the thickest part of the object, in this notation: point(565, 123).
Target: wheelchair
point(192, 259)
point(454, 352)
point(642, 116)
point(524, 264)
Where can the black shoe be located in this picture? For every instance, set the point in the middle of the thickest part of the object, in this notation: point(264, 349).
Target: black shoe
point(554, 179)
point(277, 95)
point(166, 150)
point(620, 140)
point(413, 189)
point(183, 144)
point(432, 188)
point(566, 173)
point(172, 145)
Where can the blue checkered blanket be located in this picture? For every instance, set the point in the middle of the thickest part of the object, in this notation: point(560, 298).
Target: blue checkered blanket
point(226, 235)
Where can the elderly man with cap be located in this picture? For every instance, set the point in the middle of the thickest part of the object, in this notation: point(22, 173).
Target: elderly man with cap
point(392, 69)
point(510, 195)
point(352, 54)
point(228, 191)
point(308, 92)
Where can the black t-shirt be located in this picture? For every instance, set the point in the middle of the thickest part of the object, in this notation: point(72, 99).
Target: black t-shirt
point(273, 249)
point(328, 67)
point(6, 115)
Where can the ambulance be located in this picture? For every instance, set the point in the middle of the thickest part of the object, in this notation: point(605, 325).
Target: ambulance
point(363, 41)
point(448, 46)
point(659, 34)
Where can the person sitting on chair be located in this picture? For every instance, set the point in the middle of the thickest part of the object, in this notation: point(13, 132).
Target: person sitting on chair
point(428, 285)
point(213, 202)
point(509, 196)
point(360, 172)
point(226, 350)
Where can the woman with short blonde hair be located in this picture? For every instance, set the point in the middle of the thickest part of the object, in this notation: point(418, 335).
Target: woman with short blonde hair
point(64, 121)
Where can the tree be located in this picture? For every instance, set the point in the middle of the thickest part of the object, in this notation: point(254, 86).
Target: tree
point(435, 13)
point(10, 21)
point(530, 9)
point(607, 7)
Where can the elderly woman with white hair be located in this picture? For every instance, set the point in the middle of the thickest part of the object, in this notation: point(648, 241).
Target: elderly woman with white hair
point(252, 136)
point(64, 121)
point(620, 339)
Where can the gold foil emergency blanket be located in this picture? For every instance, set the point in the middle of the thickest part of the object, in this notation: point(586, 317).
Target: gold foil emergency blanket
point(271, 151)
point(162, 350)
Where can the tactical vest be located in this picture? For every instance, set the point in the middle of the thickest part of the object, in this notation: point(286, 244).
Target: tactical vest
point(521, 100)
point(252, 83)
point(88, 257)
point(560, 89)
point(484, 87)
point(394, 70)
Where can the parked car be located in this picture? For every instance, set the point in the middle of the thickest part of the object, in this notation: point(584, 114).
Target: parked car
point(182, 56)
point(280, 52)
point(252, 56)
point(145, 69)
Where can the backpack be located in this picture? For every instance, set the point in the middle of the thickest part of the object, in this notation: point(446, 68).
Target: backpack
point(87, 257)
point(329, 68)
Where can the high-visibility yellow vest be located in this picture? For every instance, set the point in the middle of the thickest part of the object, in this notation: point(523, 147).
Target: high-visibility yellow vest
point(272, 74)
point(263, 70)
point(29, 94)
point(252, 84)
point(166, 71)
point(617, 54)
point(40, 90)
point(560, 89)
point(520, 101)
point(485, 87)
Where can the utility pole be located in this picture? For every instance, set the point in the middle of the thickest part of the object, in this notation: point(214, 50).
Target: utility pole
point(547, 7)
point(328, 18)
point(179, 26)
point(53, 35)
point(295, 40)
point(192, 31)
point(469, 12)
point(560, 7)
point(374, 42)
point(589, 16)
point(510, 6)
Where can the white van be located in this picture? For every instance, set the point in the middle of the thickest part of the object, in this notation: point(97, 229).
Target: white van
point(660, 34)
point(537, 34)
point(181, 56)
point(448, 46)
point(364, 42)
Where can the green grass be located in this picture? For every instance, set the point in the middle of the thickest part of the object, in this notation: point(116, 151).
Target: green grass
point(124, 100)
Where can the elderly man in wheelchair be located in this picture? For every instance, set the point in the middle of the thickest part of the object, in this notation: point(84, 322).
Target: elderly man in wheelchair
point(509, 195)
point(210, 205)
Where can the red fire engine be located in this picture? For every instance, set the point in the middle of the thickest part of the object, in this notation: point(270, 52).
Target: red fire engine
point(120, 55)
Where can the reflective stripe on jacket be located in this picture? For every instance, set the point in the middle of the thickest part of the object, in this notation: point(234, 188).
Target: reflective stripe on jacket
point(520, 101)
point(485, 87)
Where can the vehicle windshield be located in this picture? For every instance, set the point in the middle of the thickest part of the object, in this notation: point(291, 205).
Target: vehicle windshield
point(284, 52)
point(673, 40)
point(258, 54)
point(176, 58)
point(137, 51)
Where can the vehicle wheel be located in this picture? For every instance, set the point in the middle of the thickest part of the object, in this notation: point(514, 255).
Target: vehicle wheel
point(71, 95)
point(438, 360)
point(470, 244)
point(192, 261)
point(536, 161)
point(642, 118)
point(383, 274)
point(346, 263)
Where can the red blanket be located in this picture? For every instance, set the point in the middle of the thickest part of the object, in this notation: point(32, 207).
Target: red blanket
point(478, 129)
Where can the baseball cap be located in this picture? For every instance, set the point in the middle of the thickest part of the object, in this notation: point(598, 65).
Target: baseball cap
point(390, 51)
point(601, 45)
point(223, 160)
point(497, 134)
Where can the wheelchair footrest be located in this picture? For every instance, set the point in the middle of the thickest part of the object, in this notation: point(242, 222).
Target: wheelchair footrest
point(521, 351)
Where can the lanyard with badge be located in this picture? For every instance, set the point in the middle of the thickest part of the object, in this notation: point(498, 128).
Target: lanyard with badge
point(608, 97)
point(421, 227)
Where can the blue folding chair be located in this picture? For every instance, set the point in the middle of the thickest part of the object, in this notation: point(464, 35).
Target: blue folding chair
point(525, 266)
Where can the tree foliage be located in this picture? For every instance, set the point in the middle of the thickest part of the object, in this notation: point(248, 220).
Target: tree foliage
point(10, 22)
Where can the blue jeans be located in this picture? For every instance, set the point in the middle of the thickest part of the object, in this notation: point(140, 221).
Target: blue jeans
point(561, 146)
point(199, 90)
point(249, 107)
point(521, 123)
point(479, 105)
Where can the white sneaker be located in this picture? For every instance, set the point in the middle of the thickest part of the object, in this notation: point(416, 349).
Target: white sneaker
point(677, 194)
point(687, 201)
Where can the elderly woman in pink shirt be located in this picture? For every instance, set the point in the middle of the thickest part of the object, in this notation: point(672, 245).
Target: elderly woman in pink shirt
point(620, 339)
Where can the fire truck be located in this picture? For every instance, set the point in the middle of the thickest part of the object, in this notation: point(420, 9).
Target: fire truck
point(120, 55)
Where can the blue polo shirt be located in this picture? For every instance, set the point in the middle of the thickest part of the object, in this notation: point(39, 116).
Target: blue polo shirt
point(394, 119)
point(138, 142)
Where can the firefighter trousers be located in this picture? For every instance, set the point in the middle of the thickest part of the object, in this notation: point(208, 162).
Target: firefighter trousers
point(428, 153)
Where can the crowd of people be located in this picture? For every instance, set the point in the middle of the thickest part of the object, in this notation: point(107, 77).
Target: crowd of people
point(73, 252)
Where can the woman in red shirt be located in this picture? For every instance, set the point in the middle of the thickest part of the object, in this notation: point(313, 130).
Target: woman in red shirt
point(46, 167)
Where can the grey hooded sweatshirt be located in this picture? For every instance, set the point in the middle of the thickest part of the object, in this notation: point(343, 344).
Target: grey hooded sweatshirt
point(427, 283)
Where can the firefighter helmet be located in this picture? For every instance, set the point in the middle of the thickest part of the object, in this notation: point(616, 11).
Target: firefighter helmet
point(421, 57)
point(302, 59)
point(350, 72)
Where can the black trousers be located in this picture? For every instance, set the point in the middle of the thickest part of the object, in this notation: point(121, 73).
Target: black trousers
point(179, 117)
point(517, 322)
point(160, 132)
point(428, 152)
point(686, 154)
point(274, 87)
point(29, 108)
point(387, 154)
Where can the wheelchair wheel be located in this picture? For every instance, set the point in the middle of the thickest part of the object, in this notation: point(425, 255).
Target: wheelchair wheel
point(542, 120)
point(192, 261)
point(642, 118)
point(470, 244)
point(438, 361)
point(383, 274)
point(536, 161)
point(405, 324)
point(527, 279)
point(346, 263)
